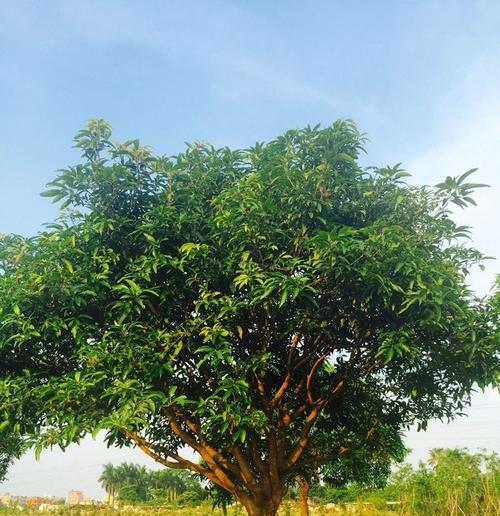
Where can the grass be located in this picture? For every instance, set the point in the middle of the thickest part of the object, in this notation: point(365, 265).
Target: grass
point(488, 507)
point(288, 509)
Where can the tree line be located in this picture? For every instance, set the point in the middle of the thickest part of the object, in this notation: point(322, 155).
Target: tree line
point(129, 482)
point(451, 481)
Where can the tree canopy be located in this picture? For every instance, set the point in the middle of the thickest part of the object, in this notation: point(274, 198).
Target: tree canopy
point(277, 309)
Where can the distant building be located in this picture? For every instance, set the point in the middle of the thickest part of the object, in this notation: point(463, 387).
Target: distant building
point(35, 501)
point(48, 507)
point(19, 500)
point(75, 498)
point(6, 499)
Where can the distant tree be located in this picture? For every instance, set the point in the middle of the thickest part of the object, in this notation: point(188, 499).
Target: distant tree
point(134, 483)
point(236, 301)
point(109, 481)
point(11, 447)
point(169, 485)
point(452, 481)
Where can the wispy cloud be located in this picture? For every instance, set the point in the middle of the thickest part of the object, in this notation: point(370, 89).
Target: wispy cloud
point(468, 121)
point(197, 35)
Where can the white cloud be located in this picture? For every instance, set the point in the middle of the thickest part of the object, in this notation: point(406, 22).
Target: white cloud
point(468, 118)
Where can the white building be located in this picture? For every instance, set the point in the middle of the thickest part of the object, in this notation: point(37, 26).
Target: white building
point(74, 498)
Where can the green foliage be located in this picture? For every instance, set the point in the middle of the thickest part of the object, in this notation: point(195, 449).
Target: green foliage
point(454, 481)
point(11, 447)
point(134, 483)
point(243, 301)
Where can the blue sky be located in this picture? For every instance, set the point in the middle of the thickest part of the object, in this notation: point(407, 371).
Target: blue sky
point(421, 78)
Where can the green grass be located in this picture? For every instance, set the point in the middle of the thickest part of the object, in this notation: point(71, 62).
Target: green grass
point(374, 507)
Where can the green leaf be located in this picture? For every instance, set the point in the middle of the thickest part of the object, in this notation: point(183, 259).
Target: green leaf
point(171, 390)
point(38, 451)
point(188, 247)
point(466, 175)
point(68, 265)
point(51, 193)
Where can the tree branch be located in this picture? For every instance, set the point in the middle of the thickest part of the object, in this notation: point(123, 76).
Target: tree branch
point(319, 461)
point(288, 377)
point(181, 462)
point(207, 454)
point(305, 358)
point(303, 439)
point(310, 377)
point(246, 471)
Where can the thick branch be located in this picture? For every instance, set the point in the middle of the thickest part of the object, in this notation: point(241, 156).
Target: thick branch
point(274, 469)
point(246, 471)
point(310, 377)
point(281, 391)
point(147, 448)
point(311, 418)
point(313, 349)
point(304, 437)
point(216, 468)
point(288, 377)
point(194, 427)
point(181, 462)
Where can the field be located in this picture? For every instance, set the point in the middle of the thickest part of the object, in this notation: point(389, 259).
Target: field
point(489, 507)
point(288, 509)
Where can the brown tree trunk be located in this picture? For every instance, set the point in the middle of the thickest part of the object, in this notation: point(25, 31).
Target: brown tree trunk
point(304, 486)
point(261, 507)
point(262, 511)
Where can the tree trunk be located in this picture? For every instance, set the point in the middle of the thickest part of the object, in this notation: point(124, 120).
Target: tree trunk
point(261, 507)
point(304, 486)
point(262, 511)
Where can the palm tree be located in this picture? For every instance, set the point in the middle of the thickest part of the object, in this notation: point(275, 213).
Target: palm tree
point(135, 483)
point(109, 480)
point(132, 482)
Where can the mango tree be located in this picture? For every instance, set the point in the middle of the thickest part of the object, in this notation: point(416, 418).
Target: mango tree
point(243, 303)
